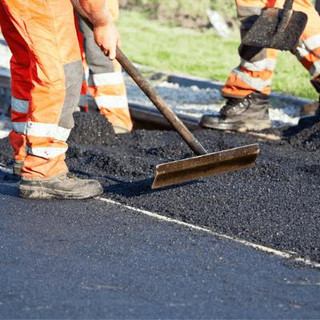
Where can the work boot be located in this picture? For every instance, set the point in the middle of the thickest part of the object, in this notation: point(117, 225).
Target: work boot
point(310, 109)
point(16, 168)
point(241, 114)
point(65, 186)
point(313, 108)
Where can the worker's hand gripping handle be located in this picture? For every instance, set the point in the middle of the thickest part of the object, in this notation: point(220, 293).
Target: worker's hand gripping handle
point(178, 125)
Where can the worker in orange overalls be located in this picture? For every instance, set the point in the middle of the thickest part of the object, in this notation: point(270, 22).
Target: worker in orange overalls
point(247, 89)
point(103, 78)
point(46, 74)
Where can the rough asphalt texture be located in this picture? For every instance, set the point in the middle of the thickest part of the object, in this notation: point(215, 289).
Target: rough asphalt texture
point(96, 260)
point(275, 203)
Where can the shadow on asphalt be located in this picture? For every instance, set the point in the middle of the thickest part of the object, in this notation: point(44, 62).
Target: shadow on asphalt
point(133, 188)
point(304, 123)
point(141, 187)
point(10, 186)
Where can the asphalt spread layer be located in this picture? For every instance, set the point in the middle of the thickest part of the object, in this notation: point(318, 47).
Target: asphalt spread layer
point(275, 203)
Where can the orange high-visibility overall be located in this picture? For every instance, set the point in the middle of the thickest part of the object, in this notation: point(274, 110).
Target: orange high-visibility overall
point(103, 78)
point(255, 74)
point(46, 75)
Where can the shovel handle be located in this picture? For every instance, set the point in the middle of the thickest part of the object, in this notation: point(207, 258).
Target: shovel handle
point(288, 5)
point(177, 124)
point(287, 12)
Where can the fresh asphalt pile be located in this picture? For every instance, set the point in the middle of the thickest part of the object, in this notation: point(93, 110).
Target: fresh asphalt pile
point(275, 203)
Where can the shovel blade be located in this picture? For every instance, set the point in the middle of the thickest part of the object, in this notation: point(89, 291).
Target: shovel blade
point(265, 32)
point(175, 172)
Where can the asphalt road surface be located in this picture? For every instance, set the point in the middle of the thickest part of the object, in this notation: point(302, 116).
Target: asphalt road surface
point(93, 259)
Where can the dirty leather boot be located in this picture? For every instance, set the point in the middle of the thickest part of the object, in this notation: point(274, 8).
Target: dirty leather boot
point(65, 186)
point(312, 108)
point(241, 114)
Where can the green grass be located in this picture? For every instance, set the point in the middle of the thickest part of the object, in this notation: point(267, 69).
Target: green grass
point(174, 49)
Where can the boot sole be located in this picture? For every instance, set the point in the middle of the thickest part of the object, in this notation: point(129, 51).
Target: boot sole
point(257, 125)
point(47, 193)
point(241, 126)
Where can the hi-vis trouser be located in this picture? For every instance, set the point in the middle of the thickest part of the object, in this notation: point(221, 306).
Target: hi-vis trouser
point(255, 74)
point(46, 75)
point(103, 78)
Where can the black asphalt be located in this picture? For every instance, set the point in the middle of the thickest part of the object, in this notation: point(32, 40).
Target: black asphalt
point(91, 259)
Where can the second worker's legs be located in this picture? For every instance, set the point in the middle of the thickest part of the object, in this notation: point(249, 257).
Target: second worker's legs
point(247, 89)
point(105, 84)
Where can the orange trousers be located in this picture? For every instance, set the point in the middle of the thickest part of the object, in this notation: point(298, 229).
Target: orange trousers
point(46, 76)
point(255, 74)
point(103, 78)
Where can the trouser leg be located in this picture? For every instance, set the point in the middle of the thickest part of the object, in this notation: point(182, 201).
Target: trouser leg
point(20, 84)
point(308, 50)
point(256, 68)
point(55, 68)
point(106, 83)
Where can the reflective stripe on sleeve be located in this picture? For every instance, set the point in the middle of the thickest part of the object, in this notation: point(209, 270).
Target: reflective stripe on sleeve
point(19, 105)
point(107, 101)
point(102, 79)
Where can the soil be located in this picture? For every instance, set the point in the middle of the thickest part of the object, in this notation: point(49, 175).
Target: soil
point(275, 203)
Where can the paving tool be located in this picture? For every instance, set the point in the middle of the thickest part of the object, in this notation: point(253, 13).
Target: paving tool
point(277, 28)
point(204, 164)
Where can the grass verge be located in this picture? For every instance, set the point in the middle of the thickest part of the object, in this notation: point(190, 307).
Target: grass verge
point(175, 49)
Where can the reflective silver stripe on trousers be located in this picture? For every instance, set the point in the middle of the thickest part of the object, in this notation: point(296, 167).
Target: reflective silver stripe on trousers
point(265, 64)
point(301, 51)
point(19, 127)
point(47, 153)
point(313, 42)
point(37, 129)
point(255, 83)
point(102, 79)
point(19, 105)
point(315, 69)
point(112, 101)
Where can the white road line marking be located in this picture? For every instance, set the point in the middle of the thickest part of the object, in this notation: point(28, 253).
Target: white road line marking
point(282, 254)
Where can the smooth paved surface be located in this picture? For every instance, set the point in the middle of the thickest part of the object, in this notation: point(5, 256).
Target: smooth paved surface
point(90, 259)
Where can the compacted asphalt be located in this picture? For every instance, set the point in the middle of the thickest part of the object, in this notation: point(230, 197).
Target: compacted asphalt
point(92, 259)
point(80, 259)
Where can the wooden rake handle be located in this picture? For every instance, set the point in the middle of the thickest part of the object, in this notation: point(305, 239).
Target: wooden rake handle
point(177, 124)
